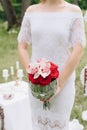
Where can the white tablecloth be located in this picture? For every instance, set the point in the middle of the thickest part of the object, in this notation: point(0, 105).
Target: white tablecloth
point(16, 110)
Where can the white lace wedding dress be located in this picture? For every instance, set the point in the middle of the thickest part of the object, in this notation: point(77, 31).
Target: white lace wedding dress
point(52, 34)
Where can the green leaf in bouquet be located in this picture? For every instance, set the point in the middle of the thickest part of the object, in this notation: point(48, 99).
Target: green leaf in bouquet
point(46, 105)
point(44, 92)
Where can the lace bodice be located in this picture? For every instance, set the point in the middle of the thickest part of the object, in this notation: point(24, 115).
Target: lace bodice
point(52, 34)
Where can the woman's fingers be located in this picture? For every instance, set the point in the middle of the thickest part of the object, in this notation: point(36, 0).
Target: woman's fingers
point(56, 93)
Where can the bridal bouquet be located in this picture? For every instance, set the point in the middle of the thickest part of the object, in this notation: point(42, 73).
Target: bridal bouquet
point(42, 77)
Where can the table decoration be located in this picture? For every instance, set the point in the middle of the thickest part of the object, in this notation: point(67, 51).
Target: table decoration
point(84, 115)
point(12, 70)
point(75, 125)
point(15, 74)
point(5, 74)
point(7, 92)
point(8, 96)
point(20, 74)
point(17, 65)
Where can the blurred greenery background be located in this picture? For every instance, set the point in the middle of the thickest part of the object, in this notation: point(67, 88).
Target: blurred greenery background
point(9, 53)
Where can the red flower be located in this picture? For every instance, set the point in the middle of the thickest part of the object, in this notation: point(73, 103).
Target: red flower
point(54, 71)
point(55, 74)
point(44, 81)
point(40, 80)
point(53, 66)
point(31, 78)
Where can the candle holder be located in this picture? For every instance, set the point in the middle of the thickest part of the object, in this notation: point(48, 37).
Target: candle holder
point(15, 74)
point(20, 74)
point(17, 65)
point(19, 77)
point(5, 74)
point(12, 73)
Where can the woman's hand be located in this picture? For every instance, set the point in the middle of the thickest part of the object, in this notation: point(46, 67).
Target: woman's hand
point(56, 93)
point(51, 98)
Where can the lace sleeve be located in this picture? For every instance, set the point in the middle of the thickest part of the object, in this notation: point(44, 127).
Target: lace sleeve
point(25, 31)
point(77, 34)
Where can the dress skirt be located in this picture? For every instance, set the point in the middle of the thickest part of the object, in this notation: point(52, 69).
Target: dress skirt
point(57, 118)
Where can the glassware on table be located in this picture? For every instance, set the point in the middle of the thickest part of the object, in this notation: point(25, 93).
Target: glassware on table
point(20, 74)
point(8, 96)
point(5, 74)
point(19, 77)
point(17, 65)
point(12, 70)
point(6, 91)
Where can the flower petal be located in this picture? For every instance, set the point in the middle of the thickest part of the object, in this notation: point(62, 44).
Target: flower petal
point(36, 75)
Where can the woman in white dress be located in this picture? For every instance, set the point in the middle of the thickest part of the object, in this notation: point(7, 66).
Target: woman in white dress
point(56, 30)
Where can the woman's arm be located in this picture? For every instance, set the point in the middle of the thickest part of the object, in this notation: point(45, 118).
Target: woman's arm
point(71, 64)
point(23, 54)
point(69, 67)
point(24, 40)
point(77, 40)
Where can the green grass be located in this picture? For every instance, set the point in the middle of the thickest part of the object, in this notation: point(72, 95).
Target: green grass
point(8, 49)
point(80, 101)
point(9, 56)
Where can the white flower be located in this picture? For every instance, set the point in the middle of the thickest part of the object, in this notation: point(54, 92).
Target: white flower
point(75, 125)
point(84, 115)
point(42, 67)
point(32, 68)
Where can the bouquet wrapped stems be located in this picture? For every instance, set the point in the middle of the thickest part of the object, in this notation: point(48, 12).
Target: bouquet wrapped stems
point(46, 105)
point(44, 92)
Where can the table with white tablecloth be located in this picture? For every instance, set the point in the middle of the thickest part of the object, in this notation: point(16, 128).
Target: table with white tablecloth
point(17, 114)
point(16, 110)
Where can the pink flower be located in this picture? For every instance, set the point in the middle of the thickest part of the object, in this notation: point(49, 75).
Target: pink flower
point(34, 70)
point(42, 72)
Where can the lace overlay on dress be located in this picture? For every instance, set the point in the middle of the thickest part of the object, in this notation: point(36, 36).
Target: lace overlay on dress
point(77, 34)
point(25, 31)
point(50, 123)
point(47, 120)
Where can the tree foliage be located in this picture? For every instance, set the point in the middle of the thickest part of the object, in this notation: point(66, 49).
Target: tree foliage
point(81, 3)
point(19, 7)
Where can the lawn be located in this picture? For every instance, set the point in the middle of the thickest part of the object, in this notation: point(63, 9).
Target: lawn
point(9, 56)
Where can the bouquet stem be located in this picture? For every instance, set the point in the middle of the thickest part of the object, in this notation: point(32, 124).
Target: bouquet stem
point(46, 105)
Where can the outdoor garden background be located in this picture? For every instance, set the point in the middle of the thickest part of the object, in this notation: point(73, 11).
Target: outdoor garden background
point(11, 14)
